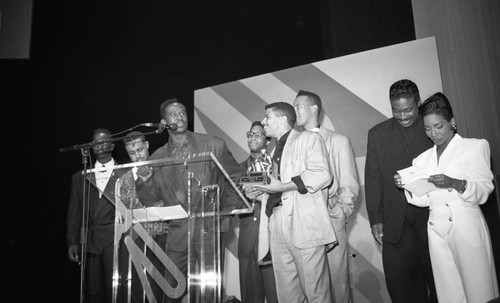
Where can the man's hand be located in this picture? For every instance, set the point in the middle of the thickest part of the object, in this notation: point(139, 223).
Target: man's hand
point(274, 186)
point(251, 192)
point(377, 232)
point(73, 253)
point(144, 173)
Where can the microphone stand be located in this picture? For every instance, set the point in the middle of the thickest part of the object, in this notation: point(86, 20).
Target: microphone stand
point(84, 149)
point(93, 143)
point(83, 230)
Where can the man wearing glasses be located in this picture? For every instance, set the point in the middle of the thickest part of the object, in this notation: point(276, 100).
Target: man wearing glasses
point(257, 282)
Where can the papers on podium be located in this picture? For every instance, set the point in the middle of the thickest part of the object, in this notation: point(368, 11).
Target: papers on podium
point(415, 181)
point(161, 213)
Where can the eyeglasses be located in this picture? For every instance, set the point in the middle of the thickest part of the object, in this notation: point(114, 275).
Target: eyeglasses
point(251, 134)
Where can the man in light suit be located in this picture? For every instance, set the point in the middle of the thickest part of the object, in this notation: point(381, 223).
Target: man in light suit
point(299, 224)
point(344, 190)
point(400, 228)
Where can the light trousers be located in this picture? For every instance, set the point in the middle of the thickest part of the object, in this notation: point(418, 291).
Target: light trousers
point(302, 275)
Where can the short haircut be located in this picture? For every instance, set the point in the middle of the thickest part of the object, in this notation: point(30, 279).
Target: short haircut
point(404, 89)
point(284, 109)
point(166, 103)
point(437, 104)
point(316, 100)
point(256, 123)
point(132, 136)
point(101, 131)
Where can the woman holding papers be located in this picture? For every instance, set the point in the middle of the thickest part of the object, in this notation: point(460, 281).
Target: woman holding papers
point(459, 241)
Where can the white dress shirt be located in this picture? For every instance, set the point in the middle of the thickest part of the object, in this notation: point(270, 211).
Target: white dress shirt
point(102, 176)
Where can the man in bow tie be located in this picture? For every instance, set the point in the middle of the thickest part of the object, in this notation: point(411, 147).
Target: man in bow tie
point(94, 217)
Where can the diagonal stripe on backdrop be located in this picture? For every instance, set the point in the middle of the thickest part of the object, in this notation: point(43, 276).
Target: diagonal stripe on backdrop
point(344, 108)
point(236, 149)
point(243, 99)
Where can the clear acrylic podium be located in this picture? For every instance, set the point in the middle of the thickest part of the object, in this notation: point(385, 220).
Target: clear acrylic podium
point(167, 232)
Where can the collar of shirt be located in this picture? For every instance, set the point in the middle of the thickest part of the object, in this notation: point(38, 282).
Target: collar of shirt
point(282, 140)
point(107, 165)
point(102, 176)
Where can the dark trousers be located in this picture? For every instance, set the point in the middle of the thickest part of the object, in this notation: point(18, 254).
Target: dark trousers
point(257, 283)
point(99, 276)
point(407, 264)
point(180, 259)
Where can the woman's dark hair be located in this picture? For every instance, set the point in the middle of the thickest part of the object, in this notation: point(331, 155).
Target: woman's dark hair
point(437, 104)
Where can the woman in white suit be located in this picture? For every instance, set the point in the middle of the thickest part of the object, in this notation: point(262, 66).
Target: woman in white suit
point(459, 241)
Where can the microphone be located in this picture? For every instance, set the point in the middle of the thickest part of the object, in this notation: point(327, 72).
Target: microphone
point(161, 126)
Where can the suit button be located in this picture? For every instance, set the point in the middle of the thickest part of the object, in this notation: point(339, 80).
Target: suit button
point(447, 205)
point(431, 223)
point(254, 218)
point(450, 219)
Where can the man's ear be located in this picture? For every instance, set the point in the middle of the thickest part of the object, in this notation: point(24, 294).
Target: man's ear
point(314, 108)
point(147, 144)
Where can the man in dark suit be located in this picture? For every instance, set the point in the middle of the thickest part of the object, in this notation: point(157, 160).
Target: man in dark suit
point(399, 227)
point(99, 214)
point(257, 282)
point(170, 183)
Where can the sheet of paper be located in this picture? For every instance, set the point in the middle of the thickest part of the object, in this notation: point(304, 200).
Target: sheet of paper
point(151, 214)
point(415, 181)
point(411, 174)
point(420, 187)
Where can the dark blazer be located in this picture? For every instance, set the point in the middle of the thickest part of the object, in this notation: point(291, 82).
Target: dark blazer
point(169, 182)
point(101, 212)
point(249, 227)
point(386, 154)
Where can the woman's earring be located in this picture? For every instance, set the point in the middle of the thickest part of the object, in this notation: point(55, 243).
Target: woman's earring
point(454, 128)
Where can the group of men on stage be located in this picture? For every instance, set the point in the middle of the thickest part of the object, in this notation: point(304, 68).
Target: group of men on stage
point(293, 246)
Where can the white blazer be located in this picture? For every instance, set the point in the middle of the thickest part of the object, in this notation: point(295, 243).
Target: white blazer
point(305, 154)
point(463, 158)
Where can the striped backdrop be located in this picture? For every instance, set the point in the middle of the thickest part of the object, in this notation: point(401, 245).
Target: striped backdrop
point(354, 90)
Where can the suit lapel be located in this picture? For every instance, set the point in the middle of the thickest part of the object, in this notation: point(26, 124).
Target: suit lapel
point(91, 181)
point(287, 154)
point(109, 190)
point(449, 154)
